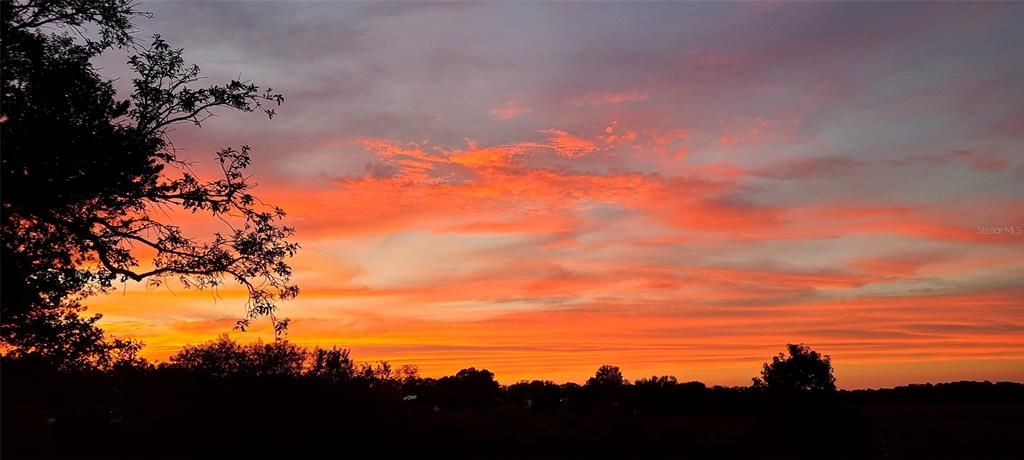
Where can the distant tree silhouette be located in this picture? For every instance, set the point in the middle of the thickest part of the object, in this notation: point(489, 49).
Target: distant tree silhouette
point(279, 358)
point(607, 377)
point(407, 372)
point(657, 381)
point(378, 371)
point(87, 177)
point(219, 358)
point(656, 394)
point(539, 395)
point(331, 364)
point(224, 357)
point(469, 389)
point(803, 370)
point(606, 389)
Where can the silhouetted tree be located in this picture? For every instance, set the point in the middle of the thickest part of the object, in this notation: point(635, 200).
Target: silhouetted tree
point(61, 338)
point(539, 395)
point(407, 372)
point(87, 177)
point(331, 364)
point(219, 358)
point(224, 357)
point(657, 381)
point(607, 386)
point(279, 358)
point(607, 377)
point(656, 394)
point(469, 389)
point(376, 371)
point(803, 370)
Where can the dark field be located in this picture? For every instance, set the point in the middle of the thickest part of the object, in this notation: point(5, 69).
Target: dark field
point(166, 414)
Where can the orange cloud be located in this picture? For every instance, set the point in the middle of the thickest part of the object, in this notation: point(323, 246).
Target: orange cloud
point(568, 145)
point(691, 209)
point(497, 156)
point(479, 256)
point(613, 136)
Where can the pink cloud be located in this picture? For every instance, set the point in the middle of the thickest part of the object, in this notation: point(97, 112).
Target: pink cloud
point(614, 136)
point(613, 98)
point(568, 145)
point(511, 109)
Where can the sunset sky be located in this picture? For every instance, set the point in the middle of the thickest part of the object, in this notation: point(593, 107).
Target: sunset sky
point(542, 188)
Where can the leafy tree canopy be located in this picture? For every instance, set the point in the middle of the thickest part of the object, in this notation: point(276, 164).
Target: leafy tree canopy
point(88, 179)
point(607, 376)
point(803, 370)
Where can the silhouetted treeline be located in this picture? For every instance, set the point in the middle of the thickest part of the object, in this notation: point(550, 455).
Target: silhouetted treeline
point(224, 399)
